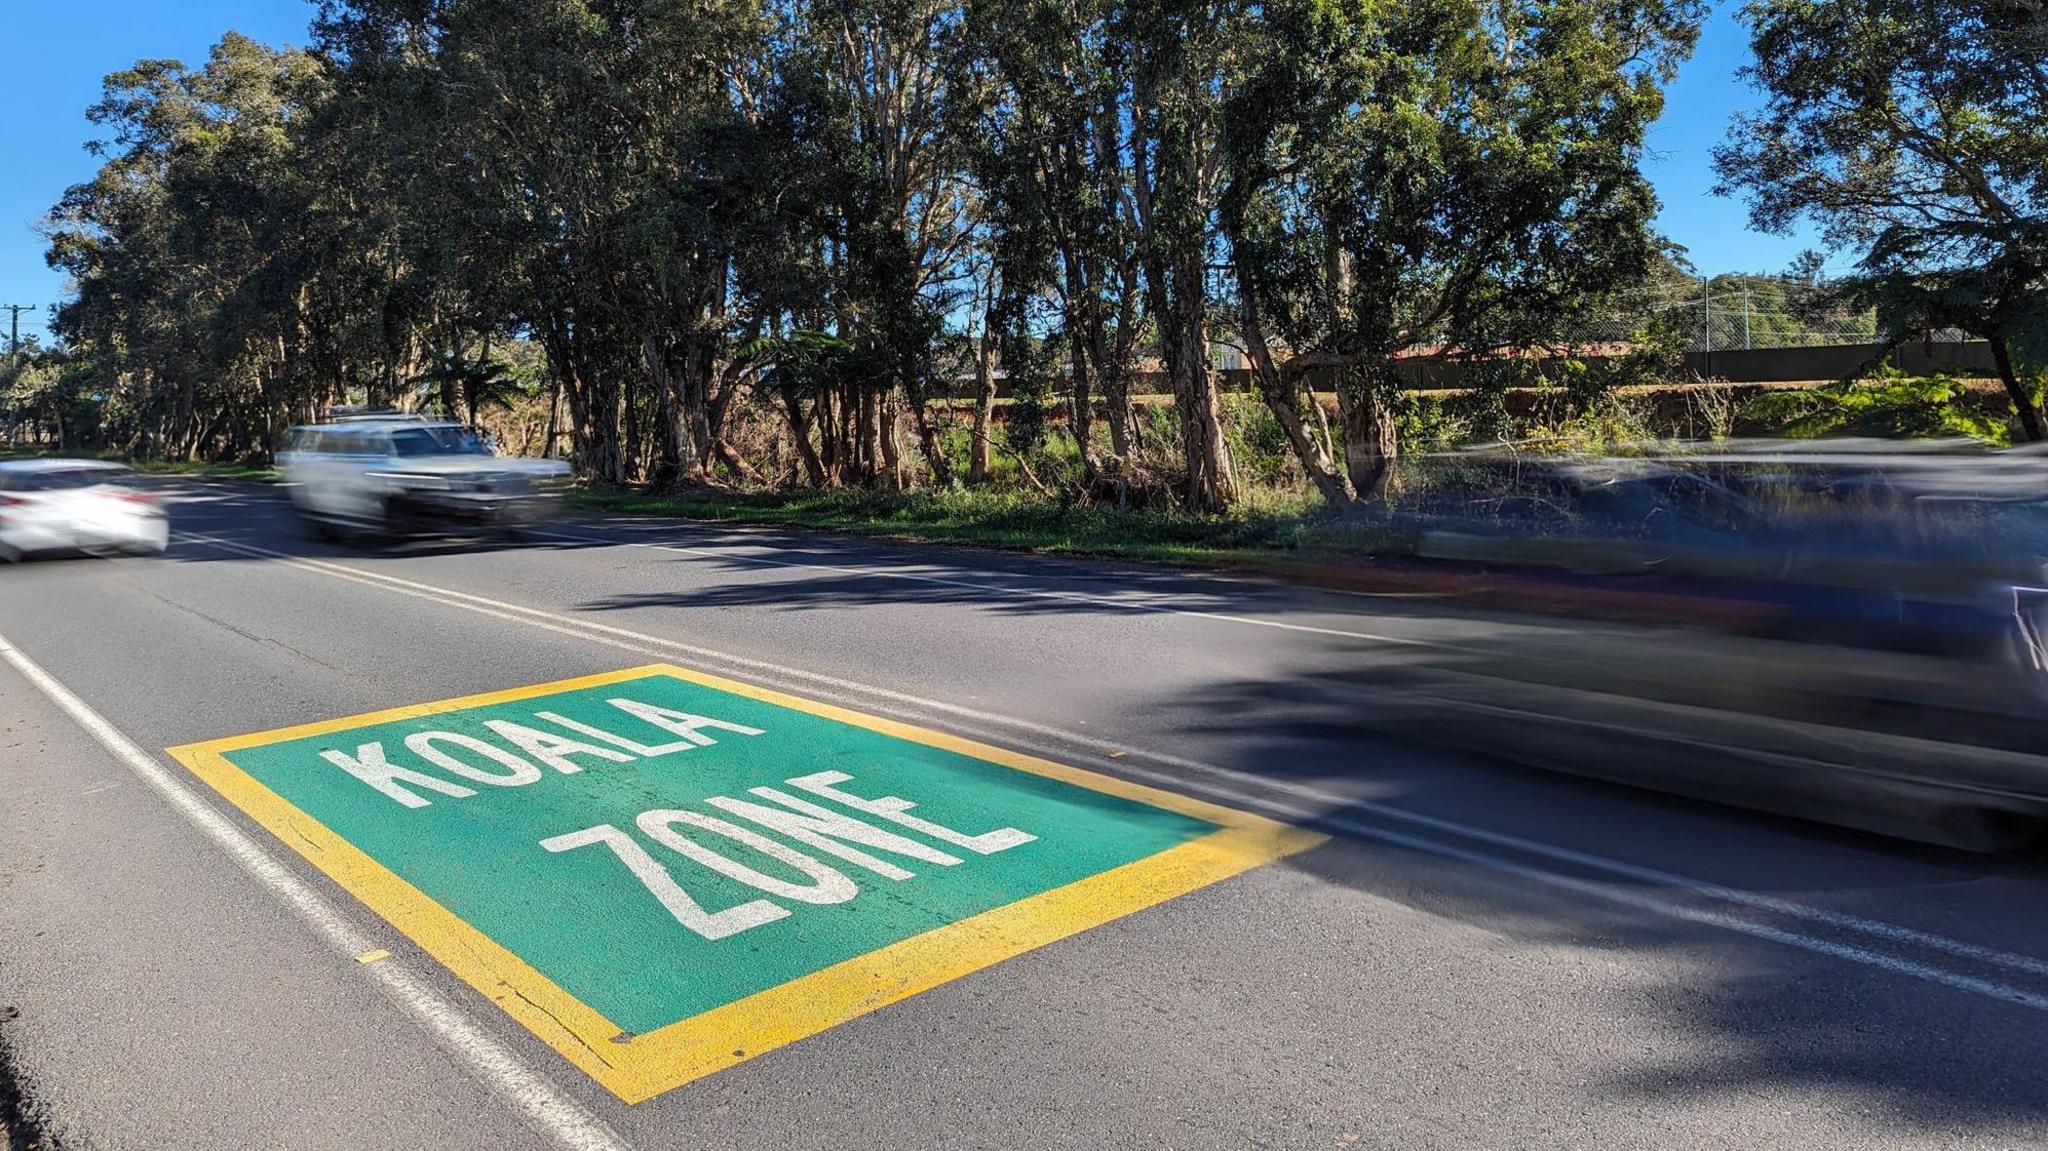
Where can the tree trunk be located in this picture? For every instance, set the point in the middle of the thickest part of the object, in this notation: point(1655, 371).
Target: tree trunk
point(984, 403)
point(1178, 300)
point(1112, 363)
point(547, 449)
point(1080, 408)
point(1211, 484)
point(473, 383)
point(868, 430)
point(842, 450)
point(889, 437)
point(449, 383)
point(1116, 393)
point(695, 433)
point(593, 408)
point(671, 449)
point(1282, 395)
point(718, 404)
point(800, 431)
point(1081, 399)
point(2017, 391)
point(917, 395)
point(723, 451)
point(1370, 447)
point(633, 456)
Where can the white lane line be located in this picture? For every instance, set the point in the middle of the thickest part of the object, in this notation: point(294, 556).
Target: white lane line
point(1154, 606)
point(543, 1106)
point(645, 644)
point(1599, 890)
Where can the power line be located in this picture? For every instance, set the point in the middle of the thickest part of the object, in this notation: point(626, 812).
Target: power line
point(14, 312)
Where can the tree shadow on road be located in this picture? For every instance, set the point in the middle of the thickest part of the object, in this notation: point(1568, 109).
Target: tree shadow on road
point(1756, 1020)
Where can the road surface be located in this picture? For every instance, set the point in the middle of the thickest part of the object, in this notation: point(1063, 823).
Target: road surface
point(1478, 955)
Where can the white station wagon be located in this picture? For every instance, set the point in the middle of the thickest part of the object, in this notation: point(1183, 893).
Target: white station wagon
point(393, 474)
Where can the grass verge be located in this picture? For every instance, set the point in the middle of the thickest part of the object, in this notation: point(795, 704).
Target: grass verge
point(1295, 530)
point(264, 475)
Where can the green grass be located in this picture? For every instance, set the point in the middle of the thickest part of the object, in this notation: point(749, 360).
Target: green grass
point(1286, 529)
point(197, 468)
point(1888, 405)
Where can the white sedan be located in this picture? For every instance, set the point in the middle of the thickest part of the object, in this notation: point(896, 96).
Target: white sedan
point(75, 505)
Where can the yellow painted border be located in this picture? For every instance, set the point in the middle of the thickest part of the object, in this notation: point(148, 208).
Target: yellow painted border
point(636, 1068)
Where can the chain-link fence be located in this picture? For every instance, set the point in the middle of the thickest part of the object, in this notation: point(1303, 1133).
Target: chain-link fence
point(1746, 320)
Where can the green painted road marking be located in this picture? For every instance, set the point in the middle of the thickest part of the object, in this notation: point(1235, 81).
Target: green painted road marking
point(661, 872)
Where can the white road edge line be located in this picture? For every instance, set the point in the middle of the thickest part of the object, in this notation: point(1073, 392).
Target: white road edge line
point(539, 1102)
point(642, 643)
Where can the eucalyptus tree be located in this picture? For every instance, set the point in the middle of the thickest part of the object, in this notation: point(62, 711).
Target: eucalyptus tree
point(1915, 134)
point(196, 253)
point(1181, 53)
point(1046, 121)
point(865, 89)
point(584, 153)
point(1440, 177)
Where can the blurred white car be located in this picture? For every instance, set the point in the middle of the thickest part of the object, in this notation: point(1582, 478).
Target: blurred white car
point(76, 505)
point(384, 473)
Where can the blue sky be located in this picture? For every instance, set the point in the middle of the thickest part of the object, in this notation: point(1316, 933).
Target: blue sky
point(1714, 230)
point(52, 56)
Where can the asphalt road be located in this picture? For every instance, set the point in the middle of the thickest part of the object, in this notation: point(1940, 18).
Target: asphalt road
point(1480, 956)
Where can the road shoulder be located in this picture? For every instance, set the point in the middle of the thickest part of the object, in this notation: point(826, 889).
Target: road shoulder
point(157, 996)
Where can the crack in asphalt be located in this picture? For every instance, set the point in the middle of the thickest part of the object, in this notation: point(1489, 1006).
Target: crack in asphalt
point(252, 637)
point(514, 993)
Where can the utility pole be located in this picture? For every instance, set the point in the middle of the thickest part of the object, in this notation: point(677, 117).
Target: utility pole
point(1707, 321)
point(13, 346)
point(14, 312)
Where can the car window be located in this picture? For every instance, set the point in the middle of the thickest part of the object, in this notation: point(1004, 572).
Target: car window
point(438, 442)
point(351, 442)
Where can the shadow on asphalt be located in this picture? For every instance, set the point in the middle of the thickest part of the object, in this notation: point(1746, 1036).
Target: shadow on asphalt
point(1772, 1021)
point(260, 515)
point(1746, 1020)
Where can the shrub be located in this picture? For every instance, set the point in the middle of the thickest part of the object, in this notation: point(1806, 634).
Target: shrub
point(1889, 406)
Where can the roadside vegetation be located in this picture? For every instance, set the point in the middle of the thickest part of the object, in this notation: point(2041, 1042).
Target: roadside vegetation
point(1453, 477)
point(1249, 536)
point(1119, 275)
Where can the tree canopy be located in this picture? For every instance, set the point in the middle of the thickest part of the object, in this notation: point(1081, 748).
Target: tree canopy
point(1915, 134)
point(831, 219)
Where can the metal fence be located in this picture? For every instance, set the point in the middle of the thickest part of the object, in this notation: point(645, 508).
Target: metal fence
point(1745, 320)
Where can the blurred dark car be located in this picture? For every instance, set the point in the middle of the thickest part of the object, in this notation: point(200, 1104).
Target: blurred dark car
point(1851, 632)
